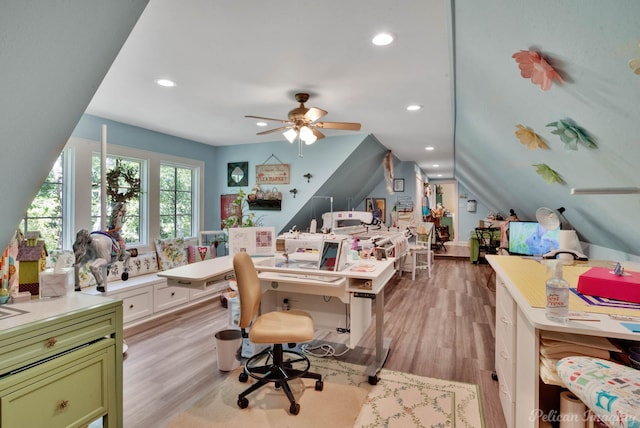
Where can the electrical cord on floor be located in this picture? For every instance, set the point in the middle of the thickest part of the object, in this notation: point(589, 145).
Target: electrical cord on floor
point(327, 350)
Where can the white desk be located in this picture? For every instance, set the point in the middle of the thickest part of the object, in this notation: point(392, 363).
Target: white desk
point(518, 329)
point(353, 288)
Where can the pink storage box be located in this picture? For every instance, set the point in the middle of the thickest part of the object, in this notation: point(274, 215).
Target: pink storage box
point(601, 282)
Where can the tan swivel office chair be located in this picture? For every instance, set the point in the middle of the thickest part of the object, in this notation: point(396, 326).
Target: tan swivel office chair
point(274, 364)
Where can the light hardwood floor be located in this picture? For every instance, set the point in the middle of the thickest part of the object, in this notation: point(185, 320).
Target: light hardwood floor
point(442, 327)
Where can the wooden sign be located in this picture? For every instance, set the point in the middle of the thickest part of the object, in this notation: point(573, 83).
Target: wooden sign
point(278, 173)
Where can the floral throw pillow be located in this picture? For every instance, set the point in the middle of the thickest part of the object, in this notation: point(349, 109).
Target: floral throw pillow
point(171, 253)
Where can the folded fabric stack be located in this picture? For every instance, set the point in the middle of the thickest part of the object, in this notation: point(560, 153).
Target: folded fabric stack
point(554, 346)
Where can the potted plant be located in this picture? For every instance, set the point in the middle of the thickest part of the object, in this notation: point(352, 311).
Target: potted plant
point(243, 218)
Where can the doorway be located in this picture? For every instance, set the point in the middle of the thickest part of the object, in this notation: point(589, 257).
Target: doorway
point(447, 195)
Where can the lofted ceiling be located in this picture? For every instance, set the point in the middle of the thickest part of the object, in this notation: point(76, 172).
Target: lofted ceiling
point(231, 59)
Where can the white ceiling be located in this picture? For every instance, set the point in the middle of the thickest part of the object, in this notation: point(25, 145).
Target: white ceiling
point(232, 59)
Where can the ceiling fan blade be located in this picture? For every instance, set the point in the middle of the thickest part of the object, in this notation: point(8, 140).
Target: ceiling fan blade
point(270, 131)
point(314, 114)
point(347, 126)
point(317, 133)
point(269, 118)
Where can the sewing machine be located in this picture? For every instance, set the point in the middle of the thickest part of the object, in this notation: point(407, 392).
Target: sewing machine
point(347, 222)
point(307, 247)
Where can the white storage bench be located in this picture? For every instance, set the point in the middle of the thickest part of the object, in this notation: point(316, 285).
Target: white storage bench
point(145, 295)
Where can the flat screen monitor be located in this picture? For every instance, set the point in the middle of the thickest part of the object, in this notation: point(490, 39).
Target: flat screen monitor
point(529, 238)
point(330, 255)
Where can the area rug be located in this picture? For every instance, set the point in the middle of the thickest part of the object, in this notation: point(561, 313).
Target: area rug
point(348, 400)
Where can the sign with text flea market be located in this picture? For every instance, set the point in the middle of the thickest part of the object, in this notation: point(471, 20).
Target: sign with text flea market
point(278, 173)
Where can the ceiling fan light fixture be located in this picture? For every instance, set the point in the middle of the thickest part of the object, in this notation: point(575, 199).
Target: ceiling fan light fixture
point(261, 123)
point(290, 135)
point(306, 134)
point(382, 39)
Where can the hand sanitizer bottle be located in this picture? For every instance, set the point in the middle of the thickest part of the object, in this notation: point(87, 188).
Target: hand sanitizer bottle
point(557, 296)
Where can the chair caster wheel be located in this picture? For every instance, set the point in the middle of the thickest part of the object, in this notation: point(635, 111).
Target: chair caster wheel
point(243, 402)
point(243, 377)
point(319, 385)
point(294, 409)
point(373, 380)
point(125, 276)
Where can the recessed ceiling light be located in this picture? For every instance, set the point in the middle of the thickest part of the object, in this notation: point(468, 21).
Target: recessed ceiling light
point(414, 107)
point(439, 175)
point(435, 165)
point(429, 148)
point(261, 124)
point(166, 83)
point(382, 39)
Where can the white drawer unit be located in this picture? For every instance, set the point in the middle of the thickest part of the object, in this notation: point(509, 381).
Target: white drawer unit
point(166, 297)
point(136, 303)
point(147, 297)
point(505, 349)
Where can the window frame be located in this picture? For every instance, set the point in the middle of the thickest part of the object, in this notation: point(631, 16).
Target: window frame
point(76, 192)
point(195, 203)
point(142, 174)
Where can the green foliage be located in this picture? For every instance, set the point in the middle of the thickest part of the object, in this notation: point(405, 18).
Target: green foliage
point(127, 171)
point(45, 212)
point(241, 219)
point(176, 201)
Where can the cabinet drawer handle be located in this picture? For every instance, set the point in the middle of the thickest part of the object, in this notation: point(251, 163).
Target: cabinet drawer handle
point(505, 320)
point(51, 342)
point(63, 405)
point(131, 306)
point(504, 355)
point(173, 293)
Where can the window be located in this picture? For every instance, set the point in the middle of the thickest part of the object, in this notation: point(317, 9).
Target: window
point(130, 231)
point(45, 212)
point(176, 201)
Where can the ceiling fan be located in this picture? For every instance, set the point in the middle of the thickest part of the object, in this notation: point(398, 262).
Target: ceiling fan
point(303, 122)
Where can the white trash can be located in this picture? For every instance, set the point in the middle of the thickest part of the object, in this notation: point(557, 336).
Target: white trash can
point(228, 344)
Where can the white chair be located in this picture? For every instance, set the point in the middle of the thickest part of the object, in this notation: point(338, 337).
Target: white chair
point(421, 254)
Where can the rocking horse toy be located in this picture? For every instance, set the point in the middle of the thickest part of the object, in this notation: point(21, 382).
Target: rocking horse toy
point(101, 249)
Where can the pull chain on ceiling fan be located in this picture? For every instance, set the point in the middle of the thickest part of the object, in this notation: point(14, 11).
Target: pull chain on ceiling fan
point(302, 123)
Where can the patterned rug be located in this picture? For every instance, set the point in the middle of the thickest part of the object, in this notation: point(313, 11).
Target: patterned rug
point(348, 400)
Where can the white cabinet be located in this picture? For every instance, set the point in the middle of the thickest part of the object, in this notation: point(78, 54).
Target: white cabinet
point(520, 321)
point(166, 297)
point(136, 303)
point(505, 350)
point(150, 296)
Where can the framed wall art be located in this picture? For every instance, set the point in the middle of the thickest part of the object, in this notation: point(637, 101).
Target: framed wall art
point(237, 174)
point(398, 184)
point(378, 207)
